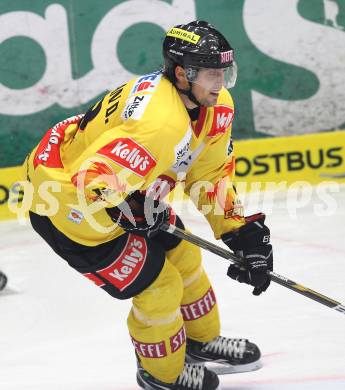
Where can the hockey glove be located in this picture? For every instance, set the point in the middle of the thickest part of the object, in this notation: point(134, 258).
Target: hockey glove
point(252, 242)
point(140, 214)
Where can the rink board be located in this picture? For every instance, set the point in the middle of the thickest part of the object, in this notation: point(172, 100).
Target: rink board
point(290, 161)
point(10, 191)
point(261, 164)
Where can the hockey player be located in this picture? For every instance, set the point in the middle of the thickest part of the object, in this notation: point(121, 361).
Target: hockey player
point(114, 165)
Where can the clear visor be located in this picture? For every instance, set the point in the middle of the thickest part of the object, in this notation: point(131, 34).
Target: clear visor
point(213, 79)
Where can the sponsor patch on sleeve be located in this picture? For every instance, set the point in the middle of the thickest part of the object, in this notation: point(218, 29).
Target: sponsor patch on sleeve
point(129, 154)
point(48, 150)
point(182, 148)
point(147, 83)
point(135, 107)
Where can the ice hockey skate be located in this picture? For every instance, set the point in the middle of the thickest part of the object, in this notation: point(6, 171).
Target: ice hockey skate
point(193, 377)
point(224, 355)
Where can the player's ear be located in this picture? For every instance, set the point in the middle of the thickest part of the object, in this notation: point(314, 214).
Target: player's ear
point(180, 74)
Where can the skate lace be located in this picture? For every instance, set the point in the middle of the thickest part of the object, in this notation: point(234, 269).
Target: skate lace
point(226, 347)
point(192, 376)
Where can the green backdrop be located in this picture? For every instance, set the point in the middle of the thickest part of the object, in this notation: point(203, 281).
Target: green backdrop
point(57, 58)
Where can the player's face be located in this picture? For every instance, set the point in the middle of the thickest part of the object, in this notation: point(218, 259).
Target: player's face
point(207, 85)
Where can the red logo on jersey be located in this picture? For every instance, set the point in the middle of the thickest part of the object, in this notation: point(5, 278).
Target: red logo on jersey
point(199, 308)
point(222, 119)
point(126, 268)
point(129, 154)
point(48, 151)
point(150, 350)
point(178, 340)
point(101, 175)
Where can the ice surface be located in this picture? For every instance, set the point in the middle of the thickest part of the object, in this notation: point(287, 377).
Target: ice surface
point(60, 332)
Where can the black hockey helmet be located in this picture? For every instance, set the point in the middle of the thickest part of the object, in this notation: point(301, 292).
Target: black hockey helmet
point(197, 45)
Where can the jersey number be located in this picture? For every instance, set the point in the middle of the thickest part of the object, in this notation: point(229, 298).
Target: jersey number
point(90, 115)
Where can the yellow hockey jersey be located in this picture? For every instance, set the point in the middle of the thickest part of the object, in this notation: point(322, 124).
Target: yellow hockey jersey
point(138, 137)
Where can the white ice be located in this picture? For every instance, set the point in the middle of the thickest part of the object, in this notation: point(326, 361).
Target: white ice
point(60, 332)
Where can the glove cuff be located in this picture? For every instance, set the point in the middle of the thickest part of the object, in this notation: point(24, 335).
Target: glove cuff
point(251, 235)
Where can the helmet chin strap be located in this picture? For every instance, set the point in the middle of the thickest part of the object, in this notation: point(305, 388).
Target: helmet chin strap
point(189, 93)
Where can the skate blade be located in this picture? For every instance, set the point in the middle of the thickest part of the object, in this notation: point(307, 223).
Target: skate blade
point(9, 291)
point(225, 368)
point(146, 386)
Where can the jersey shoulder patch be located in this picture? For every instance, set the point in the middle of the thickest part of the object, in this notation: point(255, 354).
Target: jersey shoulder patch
point(48, 150)
point(222, 118)
point(140, 96)
point(223, 114)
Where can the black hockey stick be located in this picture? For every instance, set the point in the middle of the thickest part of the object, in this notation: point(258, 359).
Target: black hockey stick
point(226, 254)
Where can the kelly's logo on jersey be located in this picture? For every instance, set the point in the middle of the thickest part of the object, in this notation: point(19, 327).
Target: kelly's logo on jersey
point(129, 154)
point(127, 266)
point(222, 119)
